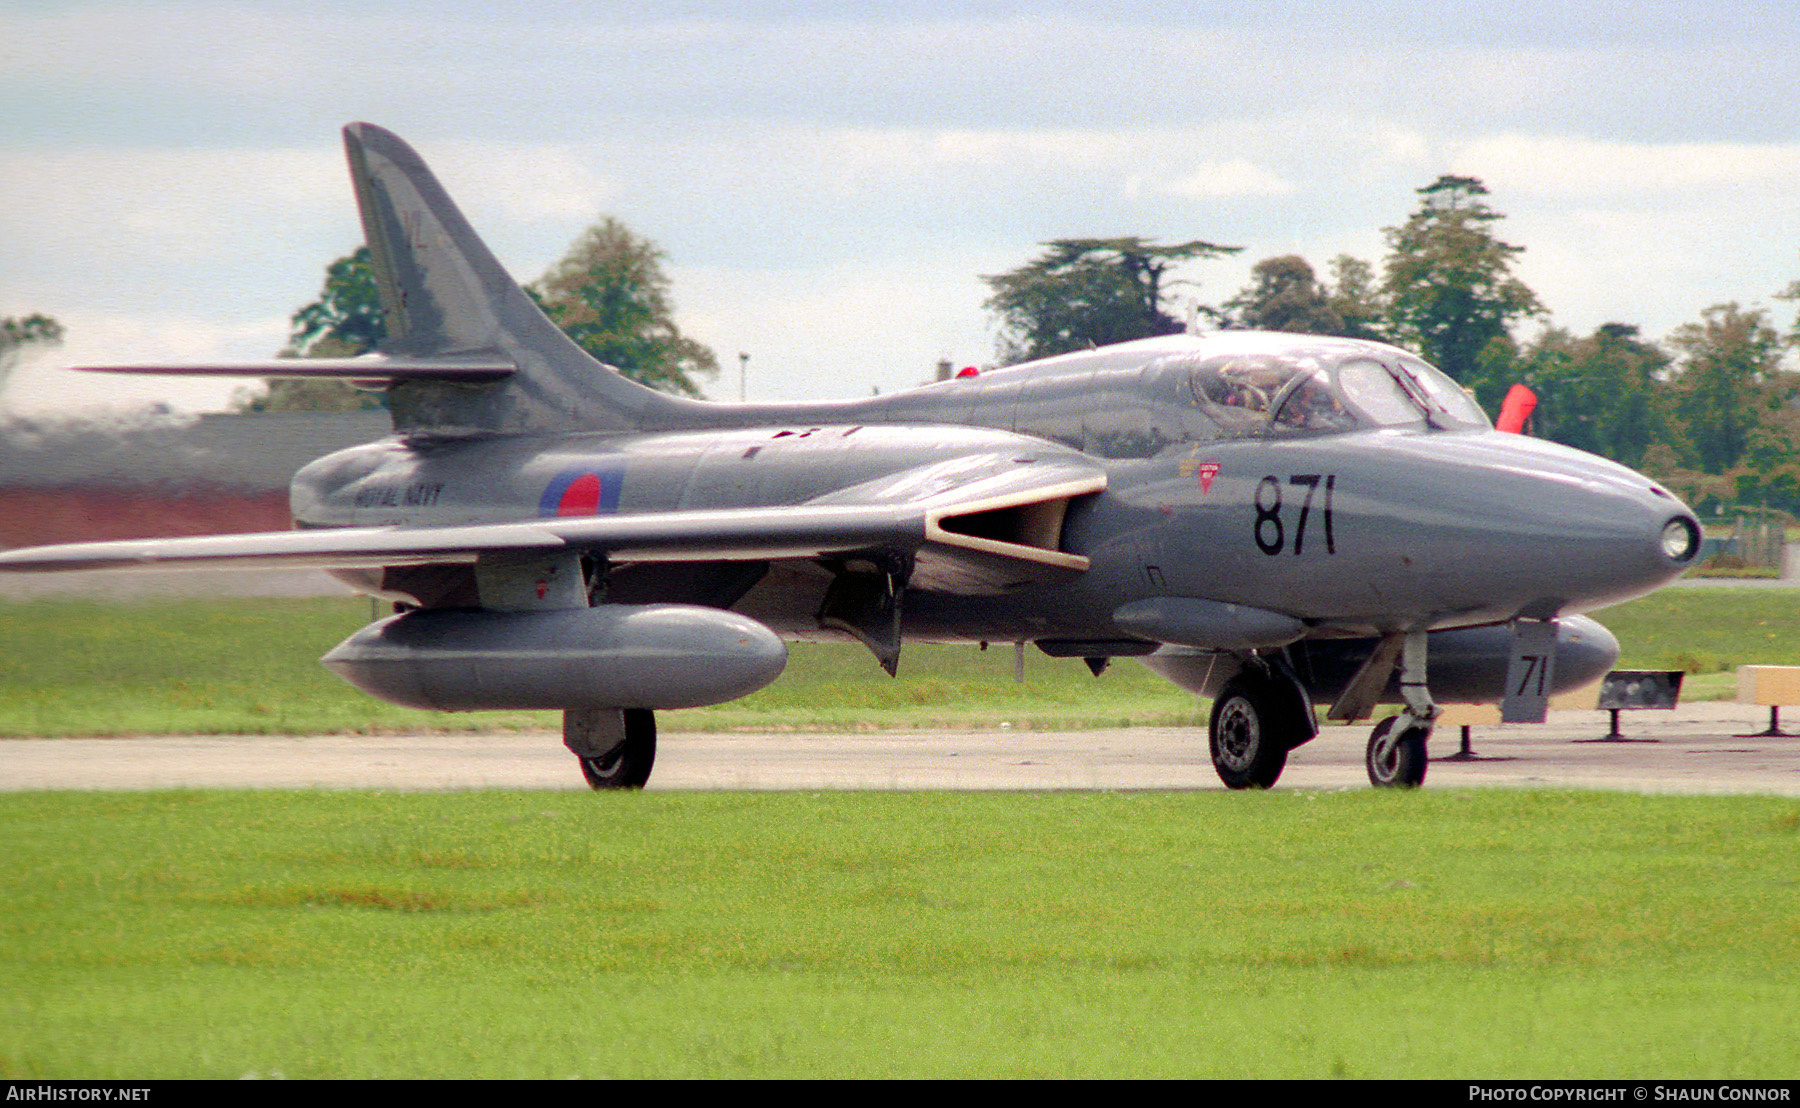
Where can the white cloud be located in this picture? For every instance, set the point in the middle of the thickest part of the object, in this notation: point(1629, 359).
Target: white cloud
point(522, 182)
point(830, 183)
point(1237, 177)
point(226, 48)
point(84, 204)
point(1401, 145)
point(1640, 232)
point(1573, 166)
point(835, 332)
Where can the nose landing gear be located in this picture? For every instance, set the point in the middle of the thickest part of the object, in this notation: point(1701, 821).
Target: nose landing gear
point(1396, 756)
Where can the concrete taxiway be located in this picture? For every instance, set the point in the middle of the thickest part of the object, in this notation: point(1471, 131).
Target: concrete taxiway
point(1696, 748)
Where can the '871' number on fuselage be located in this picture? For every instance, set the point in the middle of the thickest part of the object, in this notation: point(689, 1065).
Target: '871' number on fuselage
point(1271, 533)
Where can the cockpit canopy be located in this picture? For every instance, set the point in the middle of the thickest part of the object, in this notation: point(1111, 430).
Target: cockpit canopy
point(1136, 400)
point(1297, 393)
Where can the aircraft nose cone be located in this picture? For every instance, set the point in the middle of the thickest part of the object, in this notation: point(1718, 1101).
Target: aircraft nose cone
point(1512, 526)
point(1610, 534)
point(1666, 543)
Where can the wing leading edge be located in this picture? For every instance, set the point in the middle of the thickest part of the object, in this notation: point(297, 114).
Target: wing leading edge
point(373, 369)
point(995, 531)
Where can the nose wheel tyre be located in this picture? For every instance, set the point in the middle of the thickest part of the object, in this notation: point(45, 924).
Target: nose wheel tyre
point(1251, 732)
point(1397, 761)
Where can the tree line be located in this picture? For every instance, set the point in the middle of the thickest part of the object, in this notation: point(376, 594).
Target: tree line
point(1710, 411)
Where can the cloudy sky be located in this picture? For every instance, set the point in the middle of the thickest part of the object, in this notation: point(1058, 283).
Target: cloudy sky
point(829, 181)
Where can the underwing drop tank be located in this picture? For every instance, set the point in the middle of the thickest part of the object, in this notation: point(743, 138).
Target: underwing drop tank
point(1468, 664)
point(613, 656)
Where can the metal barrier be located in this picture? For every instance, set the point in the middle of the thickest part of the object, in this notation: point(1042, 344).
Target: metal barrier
point(1625, 690)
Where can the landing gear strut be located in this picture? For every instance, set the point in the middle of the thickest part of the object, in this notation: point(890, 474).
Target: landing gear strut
point(1396, 755)
point(616, 746)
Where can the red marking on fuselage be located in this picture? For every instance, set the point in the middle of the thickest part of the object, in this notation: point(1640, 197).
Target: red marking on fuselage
point(1207, 471)
point(581, 498)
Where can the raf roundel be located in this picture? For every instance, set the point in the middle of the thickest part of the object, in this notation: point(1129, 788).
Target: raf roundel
point(581, 492)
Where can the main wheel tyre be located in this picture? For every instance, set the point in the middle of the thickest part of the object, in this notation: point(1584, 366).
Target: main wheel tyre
point(1249, 733)
point(1397, 761)
point(626, 766)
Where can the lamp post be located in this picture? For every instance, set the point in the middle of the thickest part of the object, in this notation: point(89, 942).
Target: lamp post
point(743, 371)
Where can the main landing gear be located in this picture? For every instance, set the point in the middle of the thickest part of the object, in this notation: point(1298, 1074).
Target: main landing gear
point(1257, 718)
point(616, 746)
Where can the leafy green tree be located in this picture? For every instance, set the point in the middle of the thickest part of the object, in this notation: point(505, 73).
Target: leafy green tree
point(1728, 378)
point(610, 295)
point(1601, 393)
point(1448, 283)
point(347, 318)
point(1500, 365)
point(308, 394)
point(35, 328)
point(1284, 295)
point(1090, 292)
point(16, 334)
point(1356, 299)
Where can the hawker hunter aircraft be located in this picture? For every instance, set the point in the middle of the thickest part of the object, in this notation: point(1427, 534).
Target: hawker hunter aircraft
point(1275, 521)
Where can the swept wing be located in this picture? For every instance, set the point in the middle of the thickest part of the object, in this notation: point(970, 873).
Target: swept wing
point(975, 525)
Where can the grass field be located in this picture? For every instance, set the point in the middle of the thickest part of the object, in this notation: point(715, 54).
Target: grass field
point(1437, 934)
point(251, 667)
point(1488, 933)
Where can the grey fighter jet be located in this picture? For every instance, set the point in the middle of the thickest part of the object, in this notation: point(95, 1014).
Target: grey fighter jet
point(1275, 521)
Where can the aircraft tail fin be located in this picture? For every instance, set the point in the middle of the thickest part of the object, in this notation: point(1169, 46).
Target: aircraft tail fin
point(447, 299)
